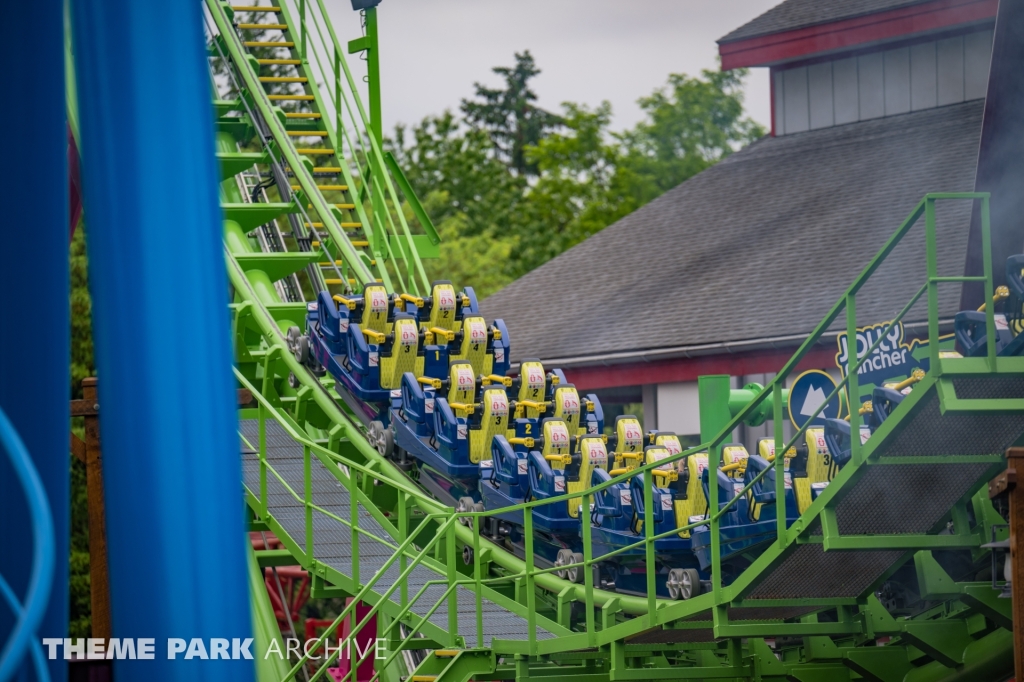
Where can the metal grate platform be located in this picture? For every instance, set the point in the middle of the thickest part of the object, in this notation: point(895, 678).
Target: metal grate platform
point(332, 539)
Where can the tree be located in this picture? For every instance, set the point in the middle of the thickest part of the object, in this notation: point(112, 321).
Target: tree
point(509, 116)
point(497, 224)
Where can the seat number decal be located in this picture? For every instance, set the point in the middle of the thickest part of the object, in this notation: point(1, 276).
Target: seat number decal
point(570, 403)
point(477, 330)
point(499, 403)
point(378, 300)
point(445, 298)
point(632, 436)
point(671, 444)
point(558, 435)
point(409, 335)
point(464, 377)
point(534, 376)
point(596, 452)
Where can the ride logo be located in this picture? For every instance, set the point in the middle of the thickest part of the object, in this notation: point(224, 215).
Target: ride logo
point(893, 359)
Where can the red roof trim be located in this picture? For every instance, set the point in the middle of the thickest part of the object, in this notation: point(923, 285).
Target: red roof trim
point(905, 21)
point(688, 369)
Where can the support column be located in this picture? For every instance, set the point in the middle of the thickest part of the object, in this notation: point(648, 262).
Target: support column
point(175, 541)
point(99, 583)
point(34, 317)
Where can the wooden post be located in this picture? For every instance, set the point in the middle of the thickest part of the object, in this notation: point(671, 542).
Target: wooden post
point(88, 408)
point(1015, 463)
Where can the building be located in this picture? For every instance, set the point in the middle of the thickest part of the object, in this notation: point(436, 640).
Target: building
point(875, 103)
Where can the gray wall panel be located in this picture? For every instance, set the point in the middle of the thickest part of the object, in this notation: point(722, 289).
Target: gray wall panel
point(923, 86)
point(844, 97)
point(794, 85)
point(897, 81)
point(950, 64)
point(977, 57)
point(871, 85)
point(780, 103)
point(819, 80)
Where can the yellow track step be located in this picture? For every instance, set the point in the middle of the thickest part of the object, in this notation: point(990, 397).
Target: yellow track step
point(267, 62)
point(301, 114)
point(300, 98)
point(347, 226)
point(277, 27)
point(344, 207)
point(446, 653)
point(283, 79)
point(315, 152)
point(269, 43)
point(326, 169)
point(325, 188)
point(255, 8)
point(307, 133)
point(423, 678)
point(351, 280)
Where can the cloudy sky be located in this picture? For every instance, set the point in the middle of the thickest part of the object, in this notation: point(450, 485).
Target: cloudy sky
point(432, 51)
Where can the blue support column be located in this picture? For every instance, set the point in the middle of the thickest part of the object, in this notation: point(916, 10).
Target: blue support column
point(34, 328)
point(170, 444)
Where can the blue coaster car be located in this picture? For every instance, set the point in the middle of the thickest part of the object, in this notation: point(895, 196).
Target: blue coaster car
point(618, 512)
point(453, 319)
point(449, 424)
point(885, 399)
point(538, 394)
point(367, 344)
point(969, 325)
point(537, 463)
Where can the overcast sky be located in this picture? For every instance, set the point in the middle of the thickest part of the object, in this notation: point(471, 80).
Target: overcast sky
point(432, 51)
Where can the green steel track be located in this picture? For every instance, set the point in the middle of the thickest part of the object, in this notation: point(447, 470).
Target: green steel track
point(805, 609)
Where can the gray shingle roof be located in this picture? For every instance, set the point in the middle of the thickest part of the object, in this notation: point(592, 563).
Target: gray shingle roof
point(794, 14)
point(758, 246)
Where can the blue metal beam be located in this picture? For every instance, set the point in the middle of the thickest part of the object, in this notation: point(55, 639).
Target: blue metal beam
point(169, 422)
point(34, 328)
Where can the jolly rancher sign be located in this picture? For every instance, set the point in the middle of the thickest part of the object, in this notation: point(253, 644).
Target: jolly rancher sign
point(892, 361)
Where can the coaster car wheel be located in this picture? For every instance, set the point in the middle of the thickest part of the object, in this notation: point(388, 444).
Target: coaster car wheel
point(683, 583)
point(466, 504)
point(565, 557)
point(381, 438)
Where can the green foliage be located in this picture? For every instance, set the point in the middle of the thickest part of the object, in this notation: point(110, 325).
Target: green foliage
point(81, 366)
point(81, 315)
point(511, 186)
point(509, 116)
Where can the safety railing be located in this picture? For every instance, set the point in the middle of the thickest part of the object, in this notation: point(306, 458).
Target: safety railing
point(713, 519)
point(28, 616)
point(357, 139)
